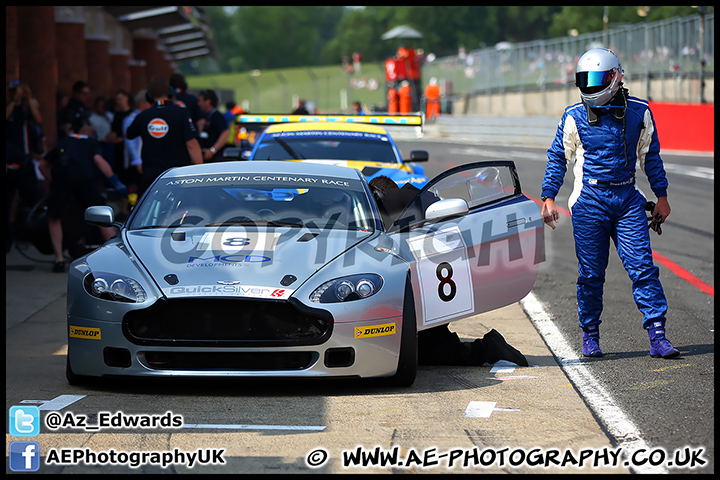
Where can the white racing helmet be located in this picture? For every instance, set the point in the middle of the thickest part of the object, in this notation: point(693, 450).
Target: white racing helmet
point(598, 75)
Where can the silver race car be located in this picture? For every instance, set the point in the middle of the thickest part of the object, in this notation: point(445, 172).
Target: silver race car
point(287, 269)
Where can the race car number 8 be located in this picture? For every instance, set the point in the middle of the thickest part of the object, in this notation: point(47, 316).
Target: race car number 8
point(445, 280)
point(444, 274)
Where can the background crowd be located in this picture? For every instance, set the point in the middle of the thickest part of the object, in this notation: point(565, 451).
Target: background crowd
point(94, 161)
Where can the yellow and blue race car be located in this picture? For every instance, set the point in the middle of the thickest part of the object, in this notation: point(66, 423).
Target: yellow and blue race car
point(357, 141)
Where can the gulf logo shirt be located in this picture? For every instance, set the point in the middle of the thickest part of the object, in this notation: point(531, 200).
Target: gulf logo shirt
point(165, 129)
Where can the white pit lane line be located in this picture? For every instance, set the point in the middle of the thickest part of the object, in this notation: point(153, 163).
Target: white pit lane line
point(624, 432)
point(691, 171)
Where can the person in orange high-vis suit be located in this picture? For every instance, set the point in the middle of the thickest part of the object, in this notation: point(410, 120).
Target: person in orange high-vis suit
point(432, 98)
point(234, 130)
point(392, 101)
point(405, 95)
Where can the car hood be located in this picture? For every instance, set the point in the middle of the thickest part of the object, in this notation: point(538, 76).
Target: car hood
point(237, 262)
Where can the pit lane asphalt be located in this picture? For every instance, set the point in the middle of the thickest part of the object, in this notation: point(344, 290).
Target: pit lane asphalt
point(535, 407)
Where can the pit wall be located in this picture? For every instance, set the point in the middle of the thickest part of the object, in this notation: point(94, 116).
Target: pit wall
point(685, 126)
point(681, 125)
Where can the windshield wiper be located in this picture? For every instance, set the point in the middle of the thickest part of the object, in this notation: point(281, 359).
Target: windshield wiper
point(282, 223)
point(288, 149)
point(260, 221)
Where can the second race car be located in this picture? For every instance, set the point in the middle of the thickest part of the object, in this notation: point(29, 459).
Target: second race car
point(360, 142)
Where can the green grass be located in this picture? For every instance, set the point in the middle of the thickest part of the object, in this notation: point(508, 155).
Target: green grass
point(275, 89)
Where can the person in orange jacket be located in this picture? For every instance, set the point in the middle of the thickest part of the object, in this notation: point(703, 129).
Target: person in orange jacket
point(432, 97)
point(405, 95)
point(231, 113)
point(392, 101)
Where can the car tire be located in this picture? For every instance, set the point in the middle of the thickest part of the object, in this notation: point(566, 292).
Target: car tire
point(408, 358)
point(72, 377)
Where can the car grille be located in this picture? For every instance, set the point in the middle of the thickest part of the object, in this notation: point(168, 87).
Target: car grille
point(228, 361)
point(227, 323)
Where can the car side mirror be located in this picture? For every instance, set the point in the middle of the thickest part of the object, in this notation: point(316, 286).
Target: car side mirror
point(101, 216)
point(451, 207)
point(418, 156)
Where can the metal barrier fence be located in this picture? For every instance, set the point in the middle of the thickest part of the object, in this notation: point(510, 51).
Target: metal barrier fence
point(673, 50)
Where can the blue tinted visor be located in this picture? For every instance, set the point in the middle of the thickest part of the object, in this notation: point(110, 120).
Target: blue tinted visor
point(594, 79)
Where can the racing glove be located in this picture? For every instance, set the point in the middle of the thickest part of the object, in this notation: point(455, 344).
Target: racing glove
point(654, 222)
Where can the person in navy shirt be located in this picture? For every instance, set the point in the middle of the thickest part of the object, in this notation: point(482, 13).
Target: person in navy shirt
point(215, 132)
point(169, 136)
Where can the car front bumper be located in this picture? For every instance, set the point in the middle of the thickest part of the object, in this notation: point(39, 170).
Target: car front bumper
point(354, 349)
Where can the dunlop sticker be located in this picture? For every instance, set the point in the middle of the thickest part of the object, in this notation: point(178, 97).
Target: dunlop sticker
point(85, 332)
point(375, 331)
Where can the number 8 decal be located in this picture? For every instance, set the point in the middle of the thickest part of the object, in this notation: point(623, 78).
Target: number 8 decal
point(445, 280)
point(237, 242)
point(444, 275)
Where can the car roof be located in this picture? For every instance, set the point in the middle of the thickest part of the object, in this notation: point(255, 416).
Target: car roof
point(325, 126)
point(266, 167)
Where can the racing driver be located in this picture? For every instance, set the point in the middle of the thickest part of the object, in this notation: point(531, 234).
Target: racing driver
point(607, 135)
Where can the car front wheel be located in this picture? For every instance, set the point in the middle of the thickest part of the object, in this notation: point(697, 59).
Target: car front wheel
point(408, 358)
point(72, 377)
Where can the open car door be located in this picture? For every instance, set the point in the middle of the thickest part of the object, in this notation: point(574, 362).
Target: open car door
point(473, 240)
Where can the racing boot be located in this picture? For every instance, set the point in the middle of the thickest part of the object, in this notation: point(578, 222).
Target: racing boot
point(659, 345)
point(591, 342)
point(493, 347)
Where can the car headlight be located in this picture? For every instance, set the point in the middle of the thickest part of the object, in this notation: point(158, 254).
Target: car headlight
point(114, 287)
point(346, 289)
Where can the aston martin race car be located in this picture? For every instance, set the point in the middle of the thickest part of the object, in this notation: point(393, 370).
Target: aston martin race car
point(357, 141)
point(287, 269)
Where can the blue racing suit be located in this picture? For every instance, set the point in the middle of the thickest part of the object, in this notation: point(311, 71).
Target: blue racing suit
point(607, 204)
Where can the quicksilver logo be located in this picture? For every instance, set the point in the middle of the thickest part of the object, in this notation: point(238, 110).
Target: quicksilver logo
point(231, 290)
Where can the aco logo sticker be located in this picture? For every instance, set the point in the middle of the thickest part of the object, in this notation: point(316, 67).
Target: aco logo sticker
point(158, 128)
point(85, 332)
point(375, 331)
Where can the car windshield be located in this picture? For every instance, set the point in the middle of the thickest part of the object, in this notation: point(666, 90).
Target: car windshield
point(326, 145)
point(282, 200)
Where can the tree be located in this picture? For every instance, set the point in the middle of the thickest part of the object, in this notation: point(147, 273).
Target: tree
point(357, 31)
point(226, 35)
point(590, 19)
point(250, 37)
point(275, 36)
